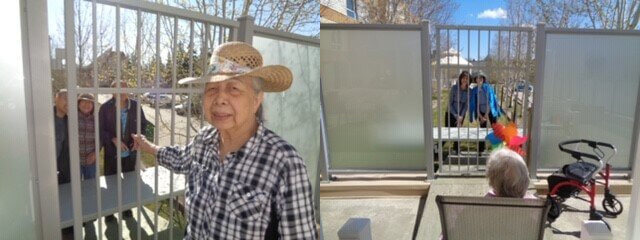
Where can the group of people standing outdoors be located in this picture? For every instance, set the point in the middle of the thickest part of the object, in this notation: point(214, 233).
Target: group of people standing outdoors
point(86, 135)
point(480, 102)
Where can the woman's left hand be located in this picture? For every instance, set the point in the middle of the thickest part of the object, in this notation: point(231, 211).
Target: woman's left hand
point(141, 143)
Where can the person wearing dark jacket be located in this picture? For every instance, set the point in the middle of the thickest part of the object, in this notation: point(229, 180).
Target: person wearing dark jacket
point(109, 138)
point(62, 137)
point(458, 103)
point(61, 127)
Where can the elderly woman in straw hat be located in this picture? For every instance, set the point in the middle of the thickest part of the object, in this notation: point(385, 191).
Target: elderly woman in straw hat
point(244, 181)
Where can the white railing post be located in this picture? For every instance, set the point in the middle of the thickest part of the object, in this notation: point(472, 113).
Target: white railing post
point(74, 154)
point(536, 129)
point(37, 85)
point(425, 42)
point(245, 31)
point(324, 144)
point(633, 223)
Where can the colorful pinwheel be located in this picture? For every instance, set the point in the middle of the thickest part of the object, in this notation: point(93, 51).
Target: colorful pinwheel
point(506, 136)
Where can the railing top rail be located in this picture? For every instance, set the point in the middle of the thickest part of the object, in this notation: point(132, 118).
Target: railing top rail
point(201, 17)
point(166, 10)
point(398, 27)
point(486, 28)
point(263, 31)
point(592, 31)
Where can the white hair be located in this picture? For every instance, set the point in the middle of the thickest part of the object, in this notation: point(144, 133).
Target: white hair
point(507, 173)
point(61, 92)
point(258, 83)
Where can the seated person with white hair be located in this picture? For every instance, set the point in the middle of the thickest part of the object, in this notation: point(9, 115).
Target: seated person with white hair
point(508, 175)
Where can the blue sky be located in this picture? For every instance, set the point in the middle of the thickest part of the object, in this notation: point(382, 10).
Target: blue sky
point(486, 13)
point(480, 12)
point(469, 12)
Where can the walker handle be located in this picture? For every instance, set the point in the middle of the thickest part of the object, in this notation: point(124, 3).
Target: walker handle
point(579, 155)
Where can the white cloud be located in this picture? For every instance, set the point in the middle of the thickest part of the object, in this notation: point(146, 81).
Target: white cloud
point(493, 13)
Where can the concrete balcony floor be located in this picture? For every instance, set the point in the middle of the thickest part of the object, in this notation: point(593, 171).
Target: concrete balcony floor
point(400, 217)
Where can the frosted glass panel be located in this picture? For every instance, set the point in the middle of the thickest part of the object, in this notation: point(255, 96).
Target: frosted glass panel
point(295, 113)
point(590, 91)
point(17, 220)
point(372, 90)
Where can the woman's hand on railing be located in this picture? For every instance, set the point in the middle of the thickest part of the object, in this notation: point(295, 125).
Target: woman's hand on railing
point(141, 143)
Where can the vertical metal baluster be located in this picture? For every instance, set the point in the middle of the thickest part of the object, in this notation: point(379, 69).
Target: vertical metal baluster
point(508, 65)
point(74, 161)
point(439, 87)
point(221, 32)
point(190, 86)
point(96, 120)
point(458, 67)
point(448, 74)
point(118, 122)
point(468, 159)
point(499, 74)
point(518, 70)
point(478, 109)
point(204, 66)
point(489, 71)
point(173, 118)
point(138, 116)
point(525, 114)
point(157, 127)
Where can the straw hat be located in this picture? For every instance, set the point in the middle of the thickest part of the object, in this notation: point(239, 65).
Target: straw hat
point(236, 59)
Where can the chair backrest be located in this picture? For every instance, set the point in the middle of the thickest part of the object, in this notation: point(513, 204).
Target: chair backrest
point(492, 217)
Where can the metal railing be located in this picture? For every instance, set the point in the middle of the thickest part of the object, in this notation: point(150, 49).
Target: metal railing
point(156, 178)
point(501, 65)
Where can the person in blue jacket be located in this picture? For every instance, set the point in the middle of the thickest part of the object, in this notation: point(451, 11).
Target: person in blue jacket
point(483, 104)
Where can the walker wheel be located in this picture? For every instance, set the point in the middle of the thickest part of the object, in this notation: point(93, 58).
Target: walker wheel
point(554, 210)
point(612, 205)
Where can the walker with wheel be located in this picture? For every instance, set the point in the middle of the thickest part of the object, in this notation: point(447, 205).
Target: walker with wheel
point(579, 176)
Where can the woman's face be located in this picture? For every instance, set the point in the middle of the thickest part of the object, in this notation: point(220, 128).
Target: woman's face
point(464, 82)
point(85, 106)
point(61, 102)
point(231, 104)
point(480, 80)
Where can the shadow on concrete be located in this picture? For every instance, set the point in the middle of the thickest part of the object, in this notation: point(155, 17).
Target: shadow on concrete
point(416, 226)
point(556, 231)
point(130, 223)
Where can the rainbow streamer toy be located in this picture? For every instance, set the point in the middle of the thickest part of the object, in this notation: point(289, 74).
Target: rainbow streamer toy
point(506, 136)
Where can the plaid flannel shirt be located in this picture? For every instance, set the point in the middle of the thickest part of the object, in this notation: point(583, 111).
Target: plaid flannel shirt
point(86, 137)
point(235, 200)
